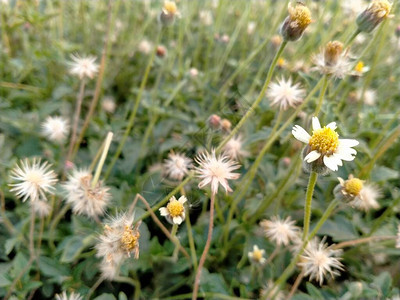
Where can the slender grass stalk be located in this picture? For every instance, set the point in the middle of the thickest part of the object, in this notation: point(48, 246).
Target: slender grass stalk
point(107, 144)
point(351, 38)
point(325, 82)
point(307, 207)
point(363, 241)
point(206, 248)
point(296, 285)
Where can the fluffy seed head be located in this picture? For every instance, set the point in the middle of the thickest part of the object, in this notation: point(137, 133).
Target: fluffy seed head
point(34, 180)
point(71, 296)
point(41, 208)
point(83, 67)
point(280, 231)
point(332, 60)
point(285, 94)
point(55, 129)
point(332, 53)
point(233, 148)
point(177, 165)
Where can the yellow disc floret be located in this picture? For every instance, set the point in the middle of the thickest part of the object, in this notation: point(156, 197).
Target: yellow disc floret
point(175, 208)
point(257, 255)
point(381, 8)
point(170, 7)
point(129, 238)
point(332, 52)
point(359, 67)
point(324, 140)
point(300, 16)
point(353, 186)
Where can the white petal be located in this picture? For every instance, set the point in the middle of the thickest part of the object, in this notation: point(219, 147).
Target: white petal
point(313, 155)
point(331, 163)
point(315, 123)
point(348, 142)
point(300, 134)
point(164, 211)
point(344, 155)
point(177, 220)
point(332, 125)
point(346, 150)
point(182, 199)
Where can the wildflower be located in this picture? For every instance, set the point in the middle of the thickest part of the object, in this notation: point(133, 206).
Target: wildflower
point(35, 179)
point(225, 38)
point(276, 40)
point(280, 231)
point(226, 125)
point(324, 148)
point(161, 51)
point(251, 28)
point(398, 237)
point(257, 255)
point(271, 292)
point(174, 212)
point(214, 121)
point(359, 69)
point(206, 17)
point(41, 208)
point(294, 25)
point(193, 72)
point(116, 243)
point(108, 104)
point(168, 13)
point(83, 66)
point(352, 7)
point(85, 199)
point(369, 97)
point(281, 63)
point(215, 170)
point(357, 194)
point(71, 296)
point(233, 148)
point(55, 129)
point(145, 47)
point(177, 166)
point(319, 260)
point(373, 15)
point(284, 94)
point(332, 60)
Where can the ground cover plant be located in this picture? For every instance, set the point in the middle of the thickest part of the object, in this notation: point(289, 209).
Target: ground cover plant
point(199, 149)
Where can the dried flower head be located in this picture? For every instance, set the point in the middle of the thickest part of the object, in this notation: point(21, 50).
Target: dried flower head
point(34, 180)
point(55, 129)
point(177, 166)
point(216, 170)
point(234, 148)
point(324, 148)
point(226, 125)
point(168, 13)
point(41, 208)
point(357, 193)
point(257, 256)
point(83, 67)
point(108, 105)
point(373, 15)
point(280, 231)
point(71, 296)
point(319, 260)
point(174, 212)
point(298, 20)
point(285, 94)
point(84, 198)
point(118, 240)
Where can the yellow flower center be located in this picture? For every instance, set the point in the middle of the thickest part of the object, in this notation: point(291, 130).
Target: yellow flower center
point(353, 186)
point(359, 67)
point(381, 8)
point(257, 255)
point(332, 52)
point(170, 7)
point(129, 238)
point(324, 140)
point(300, 15)
point(175, 208)
point(281, 62)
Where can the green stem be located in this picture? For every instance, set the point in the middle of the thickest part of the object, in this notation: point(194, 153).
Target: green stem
point(132, 116)
point(102, 159)
point(253, 107)
point(191, 240)
point(352, 38)
point(377, 223)
point(307, 208)
point(325, 82)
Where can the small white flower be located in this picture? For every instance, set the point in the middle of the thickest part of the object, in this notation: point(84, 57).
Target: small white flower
point(177, 165)
point(206, 17)
point(71, 296)
point(280, 231)
point(233, 148)
point(35, 179)
point(145, 47)
point(251, 28)
point(285, 94)
point(174, 212)
point(41, 208)
point(108, 105)
point(55, 129)
point(319, 260)
point(325, 145)
point(83, 66)
point(85, 199)
point(369, 97)
point(216, 171)
point(257, 255)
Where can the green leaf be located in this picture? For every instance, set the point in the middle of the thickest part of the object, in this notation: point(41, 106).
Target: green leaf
point(72, 249)
point(340, 229)
point(213, 282)
point(52, 268)
point(105, 297)
point(313, 291)
point(383, 174)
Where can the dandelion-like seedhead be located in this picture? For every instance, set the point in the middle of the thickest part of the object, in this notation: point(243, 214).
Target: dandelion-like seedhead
point(41, 208)
point(257, 256)
point(34, 179)
point(216, 170)
point(285, 94)
point(234, 148)
point(319, 261)
point(177, 166)
point(324, 148)
point(71, 296)
point(373, 15)
point(298, 20)
point(85, 199)
point(281, 232)
point(83, 67)
point(174, 212)
point(272, 292)
point(55, 129)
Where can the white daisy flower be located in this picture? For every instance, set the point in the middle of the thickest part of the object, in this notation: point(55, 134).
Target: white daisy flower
point(257, 255)
point(177, 165)
point(71, 296)
point(285, 94)
point(35, 180)
point(324, 145)
point(174, 212)
point(216, 171)
point(319, 260)
point(55, 129)
point(280, 231)
point(83, 66)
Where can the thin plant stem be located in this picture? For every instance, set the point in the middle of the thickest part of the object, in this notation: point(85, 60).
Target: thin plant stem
point(273, 255)
point(10, 227)
point(190, 234)
point(307, 207)
point(173, 234)
point(94, 287)
point(18, 278)
point(206, 295)
point(255, 104)
point(206, 248)
point(351, 38)
point(31, 234)
point(96, 157)
point(102, 159)
point(325, 82)
point(295, 285)
point(134, 282)
point(362, 241)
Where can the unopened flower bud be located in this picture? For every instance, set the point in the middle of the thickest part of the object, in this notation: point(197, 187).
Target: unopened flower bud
point(161, 51)
point(226, 125)
point(373, 15)
point(294, 25)
point(332, 52)
point(168, 13)
point(214, 121)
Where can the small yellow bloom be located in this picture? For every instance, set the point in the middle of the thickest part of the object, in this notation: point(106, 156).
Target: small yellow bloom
point(332, 53)
point(297, 21)
point(359, 67)
point(170, 8)
point(353, 186)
